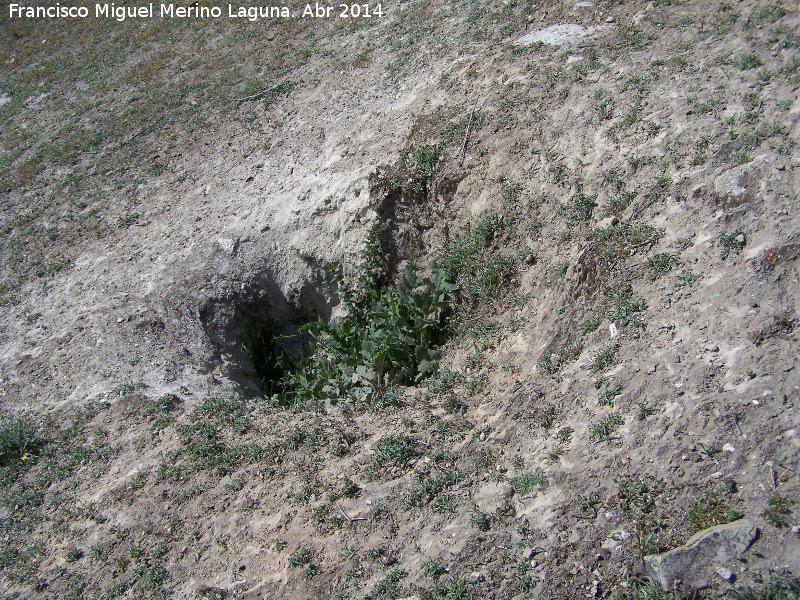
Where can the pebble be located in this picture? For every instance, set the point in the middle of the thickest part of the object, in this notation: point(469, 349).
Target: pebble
point(476, 577)
point(728, 448)
point(717, 475)
point(795, 529)
point(724, 573)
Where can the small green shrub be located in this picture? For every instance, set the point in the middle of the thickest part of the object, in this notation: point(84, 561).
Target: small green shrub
point(779, 585)
point(711, 507)
point(525, 482)
point(748, 61)
point(589, 324)
point(300, 557)
point(480, 520)
point(607, 397)
point(599, 430)
point(604, 358)
point(397, 450)
point(388, 584)
point(661, 264)
point(731, 242)
point(625, 309)
point(18, 440)
point(777, 510)
point(546, 416)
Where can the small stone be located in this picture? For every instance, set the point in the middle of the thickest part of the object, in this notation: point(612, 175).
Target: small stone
point(527, 554)
point(684, 457)
point(724, 573)
point(228, 245)
point(476, 577)
point(740, 238)
point(756, 403)
point(712, 348)
point(244, 238)
point(607, 222)
point(534, 564)
point(795, 529)
point(717, 475)
point(728, 448)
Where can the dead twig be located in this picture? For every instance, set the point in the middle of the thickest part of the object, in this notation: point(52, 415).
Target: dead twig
point(141, 131)
point(466, 134)
point(772, 479)
point(349, 520)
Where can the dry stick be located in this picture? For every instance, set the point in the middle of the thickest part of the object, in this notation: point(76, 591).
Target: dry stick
point(141, 131)
point(349, 520)
point(466, 134)
point(772, 481)
point(225, 172)
point(258, 95)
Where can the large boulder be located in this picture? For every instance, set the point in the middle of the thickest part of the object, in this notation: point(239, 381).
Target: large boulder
point(695, 563)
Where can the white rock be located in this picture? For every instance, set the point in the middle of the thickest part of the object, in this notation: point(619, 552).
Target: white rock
point(717, 475)
point(612, 330)
point(728, 448)
point(228, 245)
point(556, 35)
point(724, 573)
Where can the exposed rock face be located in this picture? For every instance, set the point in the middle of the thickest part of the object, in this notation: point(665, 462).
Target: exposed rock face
point(696, 562)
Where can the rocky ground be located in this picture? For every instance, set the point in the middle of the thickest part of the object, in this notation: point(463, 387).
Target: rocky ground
point(614, 407)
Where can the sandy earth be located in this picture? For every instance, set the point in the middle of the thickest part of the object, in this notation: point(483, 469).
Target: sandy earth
point(236, 231)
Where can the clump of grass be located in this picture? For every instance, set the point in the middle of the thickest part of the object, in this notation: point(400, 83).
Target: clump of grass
point(564, 434)
point(546, 416)
point(661, 264)
point(599, 430)
point(779, 585)
point(350, 489)
point(607, 397)
point(525, 482)
point(443, 381)
point(479, 519)
point(626, 308)
point(453, 405)
point(19, 441)
point(627, 233)
point(731, 242)
point(433, 568)
point(748, 61)
point(388, 584)
point(580, 209)
point(777, 510)
point(300, 557)
point(481, 275)
point(711, 507)
point(604, 358)
point(396, 450)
